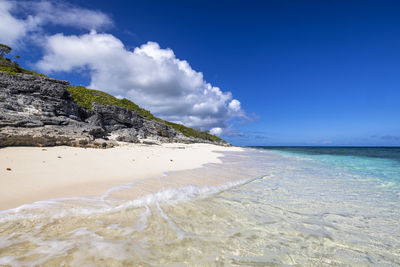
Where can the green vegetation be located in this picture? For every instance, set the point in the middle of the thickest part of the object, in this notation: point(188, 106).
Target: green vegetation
point(4, 50)
point(86, 97)
point(9, 67)
point(189, 132)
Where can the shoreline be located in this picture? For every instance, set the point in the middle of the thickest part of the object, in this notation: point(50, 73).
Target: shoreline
point(30, 174)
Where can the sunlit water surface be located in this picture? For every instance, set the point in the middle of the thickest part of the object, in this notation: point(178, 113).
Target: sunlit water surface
point(285, 207)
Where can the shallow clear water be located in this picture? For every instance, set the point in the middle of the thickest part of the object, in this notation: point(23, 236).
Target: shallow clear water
point(284, 208)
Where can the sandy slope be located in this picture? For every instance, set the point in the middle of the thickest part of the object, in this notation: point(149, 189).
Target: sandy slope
point(53, 172)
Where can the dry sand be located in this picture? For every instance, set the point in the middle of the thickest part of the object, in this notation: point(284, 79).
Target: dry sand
point(29, 174)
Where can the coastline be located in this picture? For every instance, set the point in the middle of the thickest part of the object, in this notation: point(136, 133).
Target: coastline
point(254, 200)
point(42, 173)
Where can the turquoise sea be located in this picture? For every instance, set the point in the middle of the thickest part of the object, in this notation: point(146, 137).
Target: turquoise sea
point(292, 206)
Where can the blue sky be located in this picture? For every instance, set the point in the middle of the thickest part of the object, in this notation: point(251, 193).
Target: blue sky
point(304, 72)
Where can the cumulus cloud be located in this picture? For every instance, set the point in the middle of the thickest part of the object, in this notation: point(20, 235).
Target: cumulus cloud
point(216, 131)
point(18, 18)
point(234, 105)
point(11, 28)
point(65, 14)
point(151, 76)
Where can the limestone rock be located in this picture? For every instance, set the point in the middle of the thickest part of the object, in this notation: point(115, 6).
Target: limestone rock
point(39, 111)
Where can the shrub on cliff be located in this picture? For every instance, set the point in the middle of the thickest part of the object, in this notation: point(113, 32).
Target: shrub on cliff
point(4, 50)
point(86, 97)
point(9, 67)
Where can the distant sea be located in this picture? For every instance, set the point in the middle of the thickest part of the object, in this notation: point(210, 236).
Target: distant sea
point(381, 164)
point(295, 206)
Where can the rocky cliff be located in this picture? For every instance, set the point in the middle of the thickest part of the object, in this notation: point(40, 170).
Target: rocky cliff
point(40, 111)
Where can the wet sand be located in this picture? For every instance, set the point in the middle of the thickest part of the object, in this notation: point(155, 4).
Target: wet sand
point(29, 174)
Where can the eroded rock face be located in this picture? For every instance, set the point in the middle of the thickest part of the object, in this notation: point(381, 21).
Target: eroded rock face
point(50, 135)
point(39, 111)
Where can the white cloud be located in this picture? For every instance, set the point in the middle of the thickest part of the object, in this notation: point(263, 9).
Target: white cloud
point(234, 105)
point(18, 18)
point(11, 28)
point(65, 14)
point(216, 131)
point(149, 75)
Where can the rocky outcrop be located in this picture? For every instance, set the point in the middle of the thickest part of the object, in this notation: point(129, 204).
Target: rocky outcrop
point(39, 111)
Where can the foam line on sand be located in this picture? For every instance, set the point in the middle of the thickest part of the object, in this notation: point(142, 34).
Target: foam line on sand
point(29, 174)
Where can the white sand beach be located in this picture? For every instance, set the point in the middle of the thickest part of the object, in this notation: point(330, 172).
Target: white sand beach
point(29, 174)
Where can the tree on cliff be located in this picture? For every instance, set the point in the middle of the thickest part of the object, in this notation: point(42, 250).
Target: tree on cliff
point(4, 50)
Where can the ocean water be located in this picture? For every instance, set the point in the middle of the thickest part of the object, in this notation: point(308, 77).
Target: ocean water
point(273, 207)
